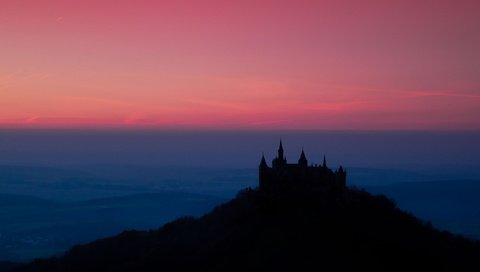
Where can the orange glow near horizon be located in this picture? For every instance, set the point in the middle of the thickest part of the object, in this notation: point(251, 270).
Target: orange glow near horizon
point(246, 65)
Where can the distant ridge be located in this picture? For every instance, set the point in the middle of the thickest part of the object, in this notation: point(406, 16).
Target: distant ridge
point(21, 200)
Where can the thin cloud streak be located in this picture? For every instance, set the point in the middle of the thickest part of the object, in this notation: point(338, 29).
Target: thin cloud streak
point(443, 94)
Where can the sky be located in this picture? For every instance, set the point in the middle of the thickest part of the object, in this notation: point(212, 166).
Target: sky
point(247, 65)
point(433, 152)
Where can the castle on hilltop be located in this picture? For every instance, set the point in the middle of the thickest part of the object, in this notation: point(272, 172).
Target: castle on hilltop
point(283, 176)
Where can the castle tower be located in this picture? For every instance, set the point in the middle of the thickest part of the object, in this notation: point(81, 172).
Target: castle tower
point(303, 160)
point(263, 162)
point(280, 151)
point(280, 161)
point(263, 170)
point(341, 177)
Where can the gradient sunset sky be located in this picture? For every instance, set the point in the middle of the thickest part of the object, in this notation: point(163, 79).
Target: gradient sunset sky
point(248, 65)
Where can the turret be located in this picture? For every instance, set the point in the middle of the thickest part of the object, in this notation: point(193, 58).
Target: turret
point(263, 162)
point(341, 177)
point(280, 161)
point(280, 151)
point(263, 173)
point(303, 159)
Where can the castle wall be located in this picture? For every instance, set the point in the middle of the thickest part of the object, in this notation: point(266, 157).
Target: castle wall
point(295, 176)
point(288, 176)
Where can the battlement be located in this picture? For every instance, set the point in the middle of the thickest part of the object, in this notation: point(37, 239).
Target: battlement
point(283, 176)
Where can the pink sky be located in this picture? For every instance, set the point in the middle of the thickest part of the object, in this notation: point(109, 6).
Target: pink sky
point(355, 65)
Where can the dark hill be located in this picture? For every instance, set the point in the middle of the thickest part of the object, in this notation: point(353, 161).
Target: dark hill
point(6, 266)
point(343, 231)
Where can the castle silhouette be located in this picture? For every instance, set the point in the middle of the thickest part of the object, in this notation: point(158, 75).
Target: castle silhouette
point(283, 176)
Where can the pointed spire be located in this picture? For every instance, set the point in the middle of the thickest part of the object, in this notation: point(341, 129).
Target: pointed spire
point(263, 162)
point(340, 169)
point(324, 161)
point(303, 158)
point(280, 150)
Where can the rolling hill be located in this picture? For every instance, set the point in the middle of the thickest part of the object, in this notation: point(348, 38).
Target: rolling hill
point(345, 231)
